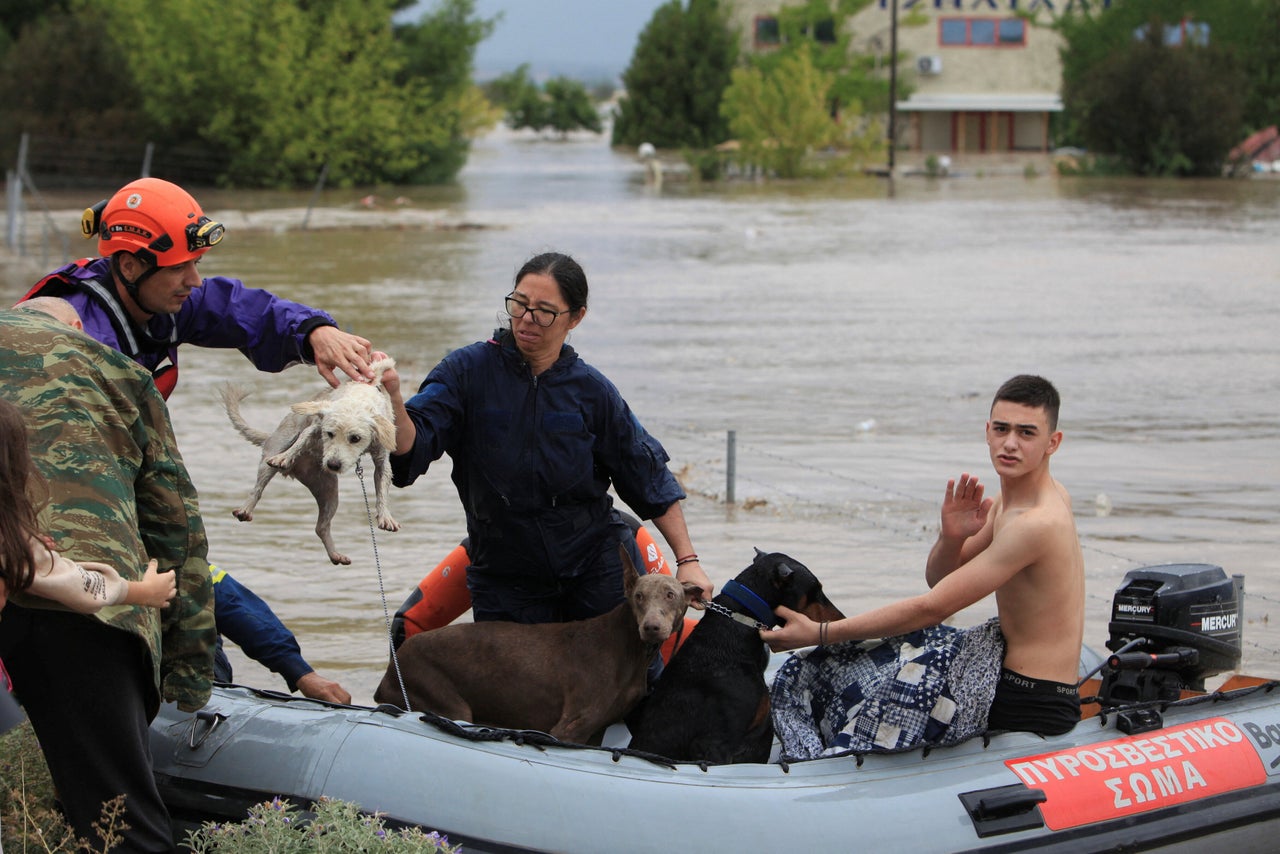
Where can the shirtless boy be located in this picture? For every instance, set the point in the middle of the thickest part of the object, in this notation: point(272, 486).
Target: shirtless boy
point(1022, 546)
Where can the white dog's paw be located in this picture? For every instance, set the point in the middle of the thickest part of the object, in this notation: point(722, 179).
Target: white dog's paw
point(386, 523)
point(277, 462)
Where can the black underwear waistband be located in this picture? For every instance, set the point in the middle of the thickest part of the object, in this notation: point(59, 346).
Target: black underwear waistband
point(1036, 686)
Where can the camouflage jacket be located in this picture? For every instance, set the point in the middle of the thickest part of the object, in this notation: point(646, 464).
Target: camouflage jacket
point(119, 492)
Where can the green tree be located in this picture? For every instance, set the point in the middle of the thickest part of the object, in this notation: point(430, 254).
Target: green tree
point(1162, 109)
point(778, 117)
point(569, 107)
point(561, 104)
point(677, 75)
point(17, 15)
point(822, 26)
point(439, 52)
point(63, 80)
point(809, 93)
point(520, 97)
point(280, 87)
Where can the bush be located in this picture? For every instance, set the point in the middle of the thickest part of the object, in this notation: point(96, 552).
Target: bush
point(706, 164)
point(29, 816)
point(30, 821)
point(1164, 110)
point(277, 827)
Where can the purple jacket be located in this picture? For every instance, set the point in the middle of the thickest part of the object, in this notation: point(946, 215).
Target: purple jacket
point(222, 312)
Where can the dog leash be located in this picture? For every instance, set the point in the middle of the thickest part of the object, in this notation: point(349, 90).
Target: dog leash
point(735, 615)
point(382, 589)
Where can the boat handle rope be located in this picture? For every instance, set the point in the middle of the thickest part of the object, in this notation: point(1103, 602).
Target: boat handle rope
point(213, 719)
point(382, 589)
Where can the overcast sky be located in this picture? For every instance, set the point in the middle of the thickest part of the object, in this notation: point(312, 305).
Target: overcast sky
point(587, 39)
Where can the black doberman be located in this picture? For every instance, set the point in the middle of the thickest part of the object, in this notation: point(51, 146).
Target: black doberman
point(711, 703)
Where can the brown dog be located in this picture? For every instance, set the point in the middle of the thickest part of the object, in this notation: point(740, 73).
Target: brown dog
point(711, 703)
point(571, 680)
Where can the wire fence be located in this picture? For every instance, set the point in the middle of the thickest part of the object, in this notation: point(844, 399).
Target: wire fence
point(78, 163)
point(47, 171)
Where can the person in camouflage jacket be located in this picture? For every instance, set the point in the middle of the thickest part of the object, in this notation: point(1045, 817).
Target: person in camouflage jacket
point(119, 493)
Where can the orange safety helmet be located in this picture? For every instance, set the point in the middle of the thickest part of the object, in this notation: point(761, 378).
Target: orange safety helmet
point(156, 220)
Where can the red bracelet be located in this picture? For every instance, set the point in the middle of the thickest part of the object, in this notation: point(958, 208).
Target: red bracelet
point(681, 561)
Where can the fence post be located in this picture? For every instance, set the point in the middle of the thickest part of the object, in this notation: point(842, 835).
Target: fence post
point(13, 205)
point(731, 467)
point(315, 194)
point(146, 160)
point(13, 195)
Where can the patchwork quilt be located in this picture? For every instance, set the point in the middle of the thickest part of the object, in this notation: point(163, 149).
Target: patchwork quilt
point(930, 687)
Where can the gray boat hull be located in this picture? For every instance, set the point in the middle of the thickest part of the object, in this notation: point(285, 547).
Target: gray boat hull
point(1211, 771)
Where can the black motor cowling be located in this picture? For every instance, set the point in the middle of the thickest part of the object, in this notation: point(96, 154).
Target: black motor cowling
point(1172, 626)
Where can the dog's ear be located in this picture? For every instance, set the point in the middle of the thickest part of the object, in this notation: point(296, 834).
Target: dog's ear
point(384, 430)
point(692, 592)
point(378, 367)
point(310, 407)
point(629, 573)
point(760, 553)
point(782, 572)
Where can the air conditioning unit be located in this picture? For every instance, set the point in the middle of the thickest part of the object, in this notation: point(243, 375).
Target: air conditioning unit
point(929, 65)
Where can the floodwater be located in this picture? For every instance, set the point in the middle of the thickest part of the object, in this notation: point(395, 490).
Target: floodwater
point(849, 337)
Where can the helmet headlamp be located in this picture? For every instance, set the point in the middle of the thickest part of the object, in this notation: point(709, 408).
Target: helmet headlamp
point(204, 233)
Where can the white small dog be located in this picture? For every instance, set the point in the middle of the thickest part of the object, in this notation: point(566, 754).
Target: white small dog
point(320, 439)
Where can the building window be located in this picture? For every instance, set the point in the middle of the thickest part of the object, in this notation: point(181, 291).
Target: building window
point(1013, 31)
point(1184, 32)
point(767, 32)
point(824, 32)
point(982, 32)
point(953, 31)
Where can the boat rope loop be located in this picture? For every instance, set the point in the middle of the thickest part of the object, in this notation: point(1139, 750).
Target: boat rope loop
point(382, 589)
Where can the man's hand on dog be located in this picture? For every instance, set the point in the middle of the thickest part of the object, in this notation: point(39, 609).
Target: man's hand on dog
point(336, 350)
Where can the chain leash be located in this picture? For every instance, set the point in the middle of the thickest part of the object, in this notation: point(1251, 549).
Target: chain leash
point(382, 589)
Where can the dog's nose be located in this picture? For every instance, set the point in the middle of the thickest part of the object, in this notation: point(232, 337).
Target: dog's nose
point(654, 630)
point(334, 465)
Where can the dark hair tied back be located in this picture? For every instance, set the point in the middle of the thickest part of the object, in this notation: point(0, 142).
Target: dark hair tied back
point(567, 273)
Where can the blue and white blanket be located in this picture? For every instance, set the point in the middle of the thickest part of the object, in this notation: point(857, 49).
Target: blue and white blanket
point(930, 687)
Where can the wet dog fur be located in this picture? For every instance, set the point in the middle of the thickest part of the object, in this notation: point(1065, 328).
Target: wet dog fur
point(571, 680)
point(321, 439)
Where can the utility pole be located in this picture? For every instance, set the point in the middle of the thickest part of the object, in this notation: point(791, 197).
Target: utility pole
point(893, 84)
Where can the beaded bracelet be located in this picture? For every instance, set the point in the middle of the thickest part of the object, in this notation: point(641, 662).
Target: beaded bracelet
point(681, 561)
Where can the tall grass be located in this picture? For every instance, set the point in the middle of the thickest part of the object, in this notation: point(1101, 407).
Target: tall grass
point(30, 820)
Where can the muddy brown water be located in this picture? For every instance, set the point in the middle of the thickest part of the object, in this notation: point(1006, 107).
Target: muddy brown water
point(851, 339)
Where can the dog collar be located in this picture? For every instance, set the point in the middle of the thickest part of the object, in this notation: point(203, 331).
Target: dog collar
point(748, 598)
point(738, 617)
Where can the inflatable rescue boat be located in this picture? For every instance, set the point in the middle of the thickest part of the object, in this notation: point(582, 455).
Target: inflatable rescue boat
point(1156, 762)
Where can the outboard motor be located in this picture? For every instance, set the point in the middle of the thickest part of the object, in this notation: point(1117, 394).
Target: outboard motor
point(1172, 626)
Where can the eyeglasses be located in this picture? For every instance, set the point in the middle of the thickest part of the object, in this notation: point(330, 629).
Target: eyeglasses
point(541, 316)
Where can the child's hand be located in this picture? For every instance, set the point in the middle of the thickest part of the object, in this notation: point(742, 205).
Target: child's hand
point(156, 589)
